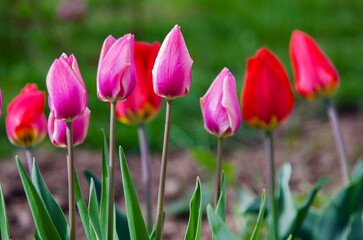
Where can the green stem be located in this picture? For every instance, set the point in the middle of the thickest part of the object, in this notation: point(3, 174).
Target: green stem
point(271, 166)
point(146, 174)
point(29, 159)
point(217, 190)
point(70, 165)
point(334, 120)
point(112, 171)
point(159, 218)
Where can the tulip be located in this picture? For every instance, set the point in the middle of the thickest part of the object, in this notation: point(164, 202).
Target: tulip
point(172, 73)
point(315, 75)
point(172, 76)
point(116, 69)
point(267, 100)
point(267, 97)
point(67, 92)
point(26, 124)
point(220, 108)
point(222, 115)
point(116, 79)
point(57, 129)
point(143, 104)
point(67, 101)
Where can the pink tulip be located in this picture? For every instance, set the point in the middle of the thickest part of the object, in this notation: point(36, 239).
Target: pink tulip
point(116, 77)
point(26, 124)
point(172, 73)
point(57, 129)
point(220, 107)
point(67, 92)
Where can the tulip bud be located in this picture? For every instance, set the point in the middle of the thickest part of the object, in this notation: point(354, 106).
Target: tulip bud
point(220, 108)
point(57, 129)
point(116, 69)
point(267, 97)
point(315, 75)
point(26, 124)
point(172, 73)
point(143, 104)
point(67, 92)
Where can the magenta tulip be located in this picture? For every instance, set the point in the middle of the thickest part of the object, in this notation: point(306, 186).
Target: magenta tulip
point(57, 129)
point(116, 77)
point(220, 107)
point(172, 73)
point(67, 92)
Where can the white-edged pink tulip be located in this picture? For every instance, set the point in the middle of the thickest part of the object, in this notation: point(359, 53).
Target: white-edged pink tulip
point(116, 77)
point(220, 107)
point(67, 92)
point(57, 129)
point(172, 73)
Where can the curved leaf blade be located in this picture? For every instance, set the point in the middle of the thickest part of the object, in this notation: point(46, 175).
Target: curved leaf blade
point(219, 229)
point(256, 231)
point(221, 204)
point(4, 223)
point(195, 217)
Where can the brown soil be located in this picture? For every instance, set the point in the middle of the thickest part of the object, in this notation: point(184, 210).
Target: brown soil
point(311, 152)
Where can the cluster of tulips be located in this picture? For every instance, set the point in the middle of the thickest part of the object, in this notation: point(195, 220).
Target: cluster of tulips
point(133, 78)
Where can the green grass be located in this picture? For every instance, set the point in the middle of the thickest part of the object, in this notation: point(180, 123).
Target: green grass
point(217, 33)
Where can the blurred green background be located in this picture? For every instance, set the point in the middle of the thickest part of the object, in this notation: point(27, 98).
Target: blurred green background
point(218, 33)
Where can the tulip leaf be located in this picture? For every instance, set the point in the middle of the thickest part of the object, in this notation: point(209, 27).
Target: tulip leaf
point(137, 227)
point(93, 210)
point(358, 170)
point(256, 231)
point(195, 217)
point(82, 209)
point(220, 230)
point(54, 210)
point(4, 223)
point(42, 220)
point(221, 204)
point(105, 189)
point(355, 227)
point(307, 228)
point(153, 232)
point(335, 219)
point(122, 227)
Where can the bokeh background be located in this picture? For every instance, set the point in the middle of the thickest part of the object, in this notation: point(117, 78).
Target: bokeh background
point(218, 33)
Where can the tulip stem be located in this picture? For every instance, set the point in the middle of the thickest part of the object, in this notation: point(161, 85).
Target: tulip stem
point(70, 165)
point(217, 190)
point(271, 165)
point(146, 174)
point(112, 171)
point(339, 139)
point(159, 218)
point(29, 159)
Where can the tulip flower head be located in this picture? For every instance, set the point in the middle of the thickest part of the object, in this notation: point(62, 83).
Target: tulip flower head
point(267, 98)
point(143, 104)
point(26, 124)
point(67, 91)
point(57, 129)
point(172, 73)
point(315, 75)
point(116, 76)
point(220, 107)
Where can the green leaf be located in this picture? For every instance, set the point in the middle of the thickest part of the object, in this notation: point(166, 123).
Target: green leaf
point(335, 219)
point(195, 217)
point(122, 227)
point(358, 170)
point(4, 223)
point(135, 219)
point(105, 189)
point(290, 237)
point(153, 232)
point(93, 210)
point(220, 230)
point(307, 229)
point(355, 228)
point(82, 209)
point(221, 204)
point(42, 220)
point(54, 210)
point(256, 231)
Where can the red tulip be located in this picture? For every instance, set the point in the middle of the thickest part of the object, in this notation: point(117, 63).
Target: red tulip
point(26, 124)
point(143, 104)
point(315, 75)
point(267, 97)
